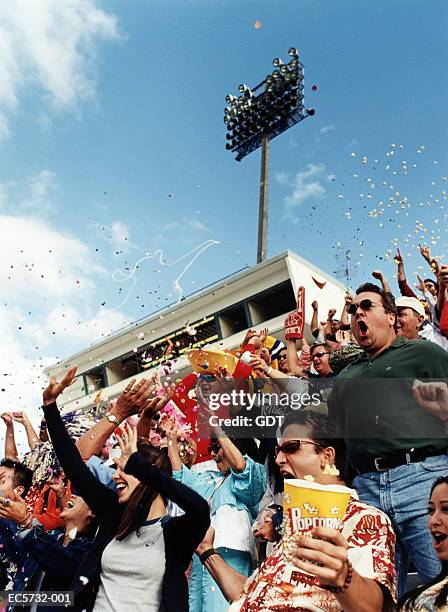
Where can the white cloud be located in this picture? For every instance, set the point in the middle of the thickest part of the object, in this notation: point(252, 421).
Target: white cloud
point(31, 197)
point(48, 48)
point(327, 128)
point(306, 184)
point(282, 178)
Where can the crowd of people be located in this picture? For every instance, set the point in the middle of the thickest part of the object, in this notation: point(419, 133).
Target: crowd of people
point(173, 499)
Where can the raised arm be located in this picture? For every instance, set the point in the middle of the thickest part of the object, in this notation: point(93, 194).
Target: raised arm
point(96, 495)
point(22, 418)
point(432, 262)
point(133, 399)
point(229, 580)
point(132, 462)
point(383, 280)
point(345, 319)
point(315, 319)
point(10, 441)
point(152, 407)
point(401, 276)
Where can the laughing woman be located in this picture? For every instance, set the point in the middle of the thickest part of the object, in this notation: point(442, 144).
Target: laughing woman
point(434, 596)
point(140, 554)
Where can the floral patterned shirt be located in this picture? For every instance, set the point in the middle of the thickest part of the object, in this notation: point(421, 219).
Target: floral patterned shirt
point(277, 586)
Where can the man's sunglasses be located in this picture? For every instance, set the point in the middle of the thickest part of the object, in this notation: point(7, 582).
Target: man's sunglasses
point(363, 304)
point(292, 446)
point(318, 355)
point(214, 448)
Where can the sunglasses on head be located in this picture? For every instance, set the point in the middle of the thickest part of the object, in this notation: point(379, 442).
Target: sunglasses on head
point(206, 378)
point(363, 304)
point(292, 446)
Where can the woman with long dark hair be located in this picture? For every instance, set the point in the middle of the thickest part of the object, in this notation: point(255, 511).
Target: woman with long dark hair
point(434, 595)
point(140, 554)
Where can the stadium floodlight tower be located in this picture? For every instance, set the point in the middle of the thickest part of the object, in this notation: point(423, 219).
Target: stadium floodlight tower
point(257, 115)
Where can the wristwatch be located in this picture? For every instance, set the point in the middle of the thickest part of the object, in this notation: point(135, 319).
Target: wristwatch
point(112, 418)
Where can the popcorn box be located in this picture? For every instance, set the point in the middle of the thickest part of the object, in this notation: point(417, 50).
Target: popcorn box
point(308, 504)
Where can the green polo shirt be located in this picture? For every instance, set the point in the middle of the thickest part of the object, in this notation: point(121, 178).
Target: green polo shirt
point(373, 403)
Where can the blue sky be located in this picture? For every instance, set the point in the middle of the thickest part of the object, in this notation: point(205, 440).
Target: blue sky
point(113, 146)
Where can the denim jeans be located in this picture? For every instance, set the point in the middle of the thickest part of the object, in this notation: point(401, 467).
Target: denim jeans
point(403, 494)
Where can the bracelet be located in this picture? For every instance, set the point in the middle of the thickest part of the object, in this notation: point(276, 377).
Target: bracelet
point(347, 581)
point(23, 523)
point(206, 554)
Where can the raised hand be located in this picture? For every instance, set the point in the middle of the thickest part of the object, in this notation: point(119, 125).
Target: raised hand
point(263, 335)
point(425, 252)
point(259, 366)
point(420, 285)
point(7, 418)
point(153, 405)
point(128, 444)
point(295, 321)
point(20, 417)
point(133, 399)
point(377, 274)
point(432, 397)
point(398, 257)
point(348, 299)
point(54, 389)
point(331, 313)
point(315, 305)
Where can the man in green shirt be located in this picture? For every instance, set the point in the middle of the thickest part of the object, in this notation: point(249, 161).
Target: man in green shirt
point(396, 441)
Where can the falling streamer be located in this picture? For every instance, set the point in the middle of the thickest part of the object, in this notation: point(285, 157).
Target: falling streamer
point(120, 276)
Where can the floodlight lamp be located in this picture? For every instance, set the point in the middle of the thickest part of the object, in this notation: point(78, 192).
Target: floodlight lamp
point(242, 88)
point(293, 52)
point(276, 74)
point(283, 69)
point(229, 98)
point(228, 146)
point(277, 62)
point(310, 112)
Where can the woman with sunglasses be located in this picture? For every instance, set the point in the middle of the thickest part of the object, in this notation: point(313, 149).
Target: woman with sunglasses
point(233, 492)
point(139, 557)
point(347, 569)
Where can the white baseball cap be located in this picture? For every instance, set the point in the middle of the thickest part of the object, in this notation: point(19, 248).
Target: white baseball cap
point(410, 302)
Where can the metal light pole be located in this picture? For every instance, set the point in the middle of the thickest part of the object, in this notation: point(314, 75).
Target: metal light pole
point(263, 208)
point(257, 115)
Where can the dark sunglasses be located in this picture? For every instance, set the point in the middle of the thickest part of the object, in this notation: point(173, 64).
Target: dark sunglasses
point(318, 355)
point(214, 448)
point(206, 378)
point(282, 356)
point(292, 446)
point(363, 304)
